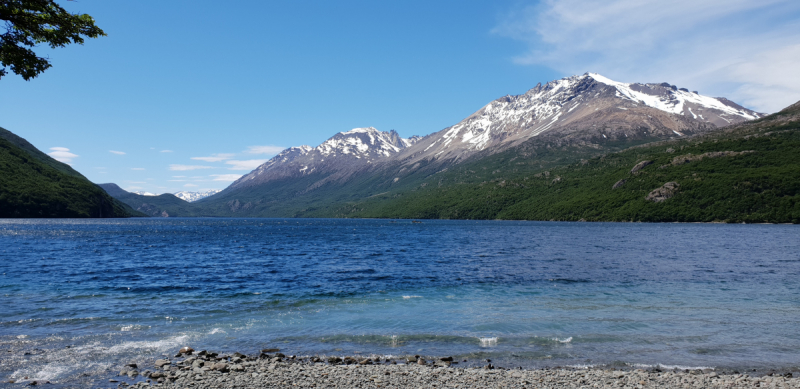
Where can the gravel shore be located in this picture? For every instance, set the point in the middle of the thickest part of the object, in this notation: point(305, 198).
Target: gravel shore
point(276, 370)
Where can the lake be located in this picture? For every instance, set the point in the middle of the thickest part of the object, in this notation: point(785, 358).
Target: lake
point(92, 295)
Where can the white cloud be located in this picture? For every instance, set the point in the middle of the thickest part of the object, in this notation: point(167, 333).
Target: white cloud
point(264, 149)
point(214, 157)
point(188, 167)
point(166, 151)
point(178, 176)
point(190, 186)
point(741, 49)
point(226, 177)
point(249, 164)
point(62, 154)
point(137, 168)
point(116, 152)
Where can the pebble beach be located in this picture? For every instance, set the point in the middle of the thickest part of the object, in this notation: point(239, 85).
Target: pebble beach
point(204, 369)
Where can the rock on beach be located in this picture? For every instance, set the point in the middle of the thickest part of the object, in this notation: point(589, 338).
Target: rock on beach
point(262, 371)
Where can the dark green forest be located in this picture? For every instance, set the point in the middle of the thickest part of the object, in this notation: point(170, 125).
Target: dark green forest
point(33, 185)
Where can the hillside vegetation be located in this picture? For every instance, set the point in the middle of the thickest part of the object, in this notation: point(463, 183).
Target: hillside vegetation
point(746, 173)
point(34, 185)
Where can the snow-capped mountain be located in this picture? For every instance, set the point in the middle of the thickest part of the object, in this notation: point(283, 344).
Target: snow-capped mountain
point(194, 196)
point(336, 157)
point(589, 107)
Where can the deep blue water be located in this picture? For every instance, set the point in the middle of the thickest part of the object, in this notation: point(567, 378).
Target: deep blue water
point(92, 295)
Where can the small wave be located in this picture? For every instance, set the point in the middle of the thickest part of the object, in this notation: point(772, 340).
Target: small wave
point(217, 331)
point(412, 297)
point(566, 340)
point(134, 327)
point(22, 336)
point(487, 342)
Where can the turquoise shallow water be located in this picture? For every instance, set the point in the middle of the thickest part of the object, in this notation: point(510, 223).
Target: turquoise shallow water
point(92, 295)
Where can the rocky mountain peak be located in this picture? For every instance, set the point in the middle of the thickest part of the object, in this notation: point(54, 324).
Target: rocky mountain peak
point(365, 142)
point(589, 107)
point(344, 151)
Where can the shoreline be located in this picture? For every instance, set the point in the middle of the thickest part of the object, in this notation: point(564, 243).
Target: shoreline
point(273, 369)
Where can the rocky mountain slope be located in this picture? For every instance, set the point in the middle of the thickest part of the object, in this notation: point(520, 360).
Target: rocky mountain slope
point(336, 158)
point(586, 109)
point(33, 185)
point(560, 122)
point(747, 172)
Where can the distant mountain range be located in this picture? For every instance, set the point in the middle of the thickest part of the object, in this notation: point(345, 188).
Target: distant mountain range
point(588, 114)
point(530, 156)
point(194, 196)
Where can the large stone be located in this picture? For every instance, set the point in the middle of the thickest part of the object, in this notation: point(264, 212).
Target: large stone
point(663, 193)
point(619, 184)
point(640, 166)
point(220, 366)
point(162, 362)
point(186, 350)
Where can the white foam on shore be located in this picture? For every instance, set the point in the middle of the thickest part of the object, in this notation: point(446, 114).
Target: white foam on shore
point(412, 297)
point(48, 372)
point(566, 340)
point(152, 345)
point(670, 367)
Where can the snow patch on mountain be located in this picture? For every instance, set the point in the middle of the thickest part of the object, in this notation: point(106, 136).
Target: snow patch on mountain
point(673, 102)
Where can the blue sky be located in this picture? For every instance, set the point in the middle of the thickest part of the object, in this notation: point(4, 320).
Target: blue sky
point(189, 95)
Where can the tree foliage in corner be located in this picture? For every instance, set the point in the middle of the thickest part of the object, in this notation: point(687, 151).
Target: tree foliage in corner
point(32, 22)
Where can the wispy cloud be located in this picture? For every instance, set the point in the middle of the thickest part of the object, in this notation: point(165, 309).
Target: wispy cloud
point(137, 168)
point(62, 154)
point(744, 50)
point(188, 167)
point(190, 186)
point(166, 151)
point(249, 164)
point(226, 177)
point(271, 150)
point(116, 152)
point(214, 157)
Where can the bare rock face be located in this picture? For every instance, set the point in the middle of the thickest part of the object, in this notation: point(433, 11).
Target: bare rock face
point(335, 159)
point(684, 159)
point(640, 166)
point(619, 184)
point(663, 193)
